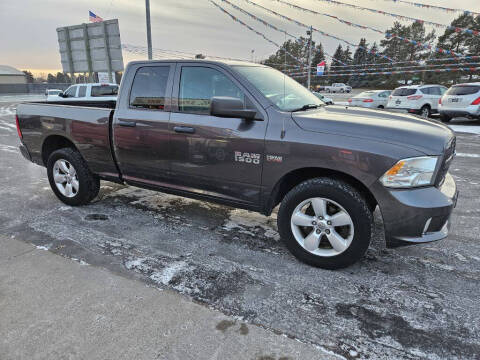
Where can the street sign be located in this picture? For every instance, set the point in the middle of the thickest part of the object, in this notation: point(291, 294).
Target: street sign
point(320, 68)
point(94, 47)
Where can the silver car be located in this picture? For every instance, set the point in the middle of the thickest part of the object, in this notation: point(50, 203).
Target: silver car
point(462, 100)
point(374, 99)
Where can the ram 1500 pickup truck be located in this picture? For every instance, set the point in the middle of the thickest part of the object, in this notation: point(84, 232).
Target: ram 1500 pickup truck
point(248, 136)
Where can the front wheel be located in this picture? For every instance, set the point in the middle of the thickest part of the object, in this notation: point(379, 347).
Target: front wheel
point(325, 223)
point(70, 178)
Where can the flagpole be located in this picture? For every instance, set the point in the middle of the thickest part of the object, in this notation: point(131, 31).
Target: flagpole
point(149, 31)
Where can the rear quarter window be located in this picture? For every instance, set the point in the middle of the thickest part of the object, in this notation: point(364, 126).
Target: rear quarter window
point(404, 92)
point(104, 90)
point(463, 90)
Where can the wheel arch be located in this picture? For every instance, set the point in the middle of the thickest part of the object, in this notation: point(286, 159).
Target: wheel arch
point(297, 176)
point(54, 142)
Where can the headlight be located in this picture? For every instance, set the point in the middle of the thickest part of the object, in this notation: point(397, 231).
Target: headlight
point(411, 172)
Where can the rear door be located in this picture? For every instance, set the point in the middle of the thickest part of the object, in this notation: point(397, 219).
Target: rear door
point(220, 157)
point(140, 127)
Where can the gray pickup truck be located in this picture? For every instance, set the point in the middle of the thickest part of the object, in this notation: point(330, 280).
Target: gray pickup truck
point(247, 136)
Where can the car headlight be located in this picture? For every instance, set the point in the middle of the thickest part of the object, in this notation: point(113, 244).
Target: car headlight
point(411, 172)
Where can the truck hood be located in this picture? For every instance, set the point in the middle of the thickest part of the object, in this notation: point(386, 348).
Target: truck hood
point(427, 136)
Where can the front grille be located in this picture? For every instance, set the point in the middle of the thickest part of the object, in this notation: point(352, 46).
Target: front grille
point(446, 161)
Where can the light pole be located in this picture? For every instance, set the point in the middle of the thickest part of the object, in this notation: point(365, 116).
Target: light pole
point(149, 30)
point(309, 65)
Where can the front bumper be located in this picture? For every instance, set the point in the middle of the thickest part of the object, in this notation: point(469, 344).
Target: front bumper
point(419, 215)
point(24, 151)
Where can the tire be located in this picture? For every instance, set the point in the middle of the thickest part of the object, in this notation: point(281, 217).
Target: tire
point(348, 200)
point(87, 184)
point(445, 118)
point(425, 111)
point(342, 91)
point(381, 107)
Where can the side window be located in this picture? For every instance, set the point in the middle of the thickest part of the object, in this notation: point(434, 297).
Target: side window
point(427, 91)
point(82, 91)
point(149, 86)
point(104, 90)
point(70, 92)
point(199, 84)
point(442, 90)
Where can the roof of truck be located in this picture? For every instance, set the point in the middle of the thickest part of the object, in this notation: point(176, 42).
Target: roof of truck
point(205, 61)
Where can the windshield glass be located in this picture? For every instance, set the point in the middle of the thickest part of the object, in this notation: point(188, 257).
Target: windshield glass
point(463, 90)
point(280, 89)
point(366, 94)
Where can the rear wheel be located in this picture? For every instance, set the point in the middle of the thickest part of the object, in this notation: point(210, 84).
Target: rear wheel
point(425, 111)
point(381, 107)
point(325, 223)
point(445, 118)
point(70, 178)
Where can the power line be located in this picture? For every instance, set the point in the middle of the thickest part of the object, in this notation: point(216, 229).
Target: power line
point(317, 30)
point(407, 18)
point(364, 27)
point(234, 18)
point(428, 6)
point(272, 26)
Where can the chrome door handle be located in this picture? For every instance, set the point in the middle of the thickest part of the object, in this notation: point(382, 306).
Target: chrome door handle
point(184, 129)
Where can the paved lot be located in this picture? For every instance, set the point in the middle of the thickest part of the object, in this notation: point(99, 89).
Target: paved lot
point(408, 303)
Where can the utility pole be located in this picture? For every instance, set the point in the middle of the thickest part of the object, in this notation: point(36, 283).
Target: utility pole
point(149, 30)
point(309, 65)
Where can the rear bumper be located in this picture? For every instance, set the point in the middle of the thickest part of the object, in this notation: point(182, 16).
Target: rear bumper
point(404, 110)
point(470, 111)
point(418, 215)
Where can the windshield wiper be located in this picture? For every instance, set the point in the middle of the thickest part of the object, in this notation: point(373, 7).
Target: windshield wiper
point(306, 107)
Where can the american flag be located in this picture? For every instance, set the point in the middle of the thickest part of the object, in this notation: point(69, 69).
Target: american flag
point(93, 17)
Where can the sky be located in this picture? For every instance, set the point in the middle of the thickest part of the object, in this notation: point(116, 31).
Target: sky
point(28, 38)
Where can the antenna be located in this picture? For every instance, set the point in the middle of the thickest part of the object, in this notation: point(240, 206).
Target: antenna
point(282, 134)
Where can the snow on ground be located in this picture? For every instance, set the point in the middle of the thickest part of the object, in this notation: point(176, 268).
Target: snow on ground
point(466, 129)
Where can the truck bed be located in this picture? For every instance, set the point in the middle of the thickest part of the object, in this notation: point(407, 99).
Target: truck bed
point(86, 125)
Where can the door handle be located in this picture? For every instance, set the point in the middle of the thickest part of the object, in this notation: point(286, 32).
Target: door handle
point(184, 129)
point(127, 123)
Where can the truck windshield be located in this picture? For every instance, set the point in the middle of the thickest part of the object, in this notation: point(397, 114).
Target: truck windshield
point(283, 91)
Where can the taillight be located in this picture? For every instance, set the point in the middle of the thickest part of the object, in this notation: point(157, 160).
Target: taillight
point(440, 101)
point(414, 97)
point(390, 97)
point(349, 100)
point(368, 100)
point(18, 128)
point(476, 102)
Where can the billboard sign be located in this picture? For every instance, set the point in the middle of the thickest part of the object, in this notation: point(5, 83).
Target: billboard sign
point(94, 47)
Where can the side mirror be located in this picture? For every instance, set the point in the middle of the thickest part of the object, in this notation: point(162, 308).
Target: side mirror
point(62, 95)
point(230, 107)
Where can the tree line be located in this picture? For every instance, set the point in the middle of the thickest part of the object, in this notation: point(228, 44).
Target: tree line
point(393, 47)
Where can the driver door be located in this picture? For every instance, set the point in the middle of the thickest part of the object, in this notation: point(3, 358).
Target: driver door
point(214, 156)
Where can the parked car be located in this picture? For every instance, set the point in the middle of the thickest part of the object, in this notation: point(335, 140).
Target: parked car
point(338, 88)
point(88, 92)
point(417, 99)
point(325, 99)
point(52, 94)
point(375, 99)
point(246, 135)
point(461, 100)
